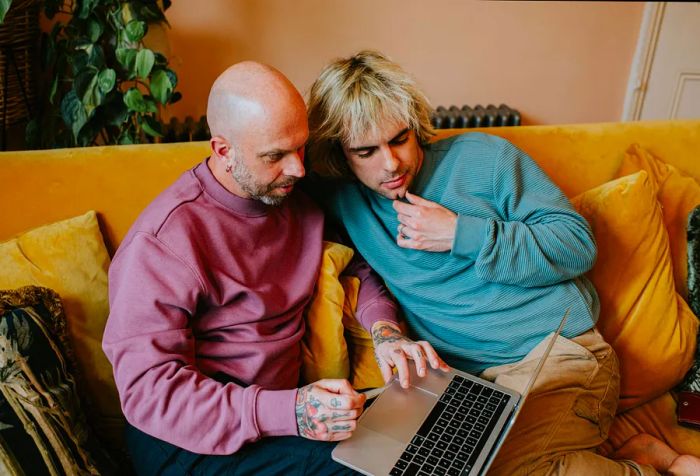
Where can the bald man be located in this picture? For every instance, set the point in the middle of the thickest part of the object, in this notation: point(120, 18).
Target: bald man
point(207, 292)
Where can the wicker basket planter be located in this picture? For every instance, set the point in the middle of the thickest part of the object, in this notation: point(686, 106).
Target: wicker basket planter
point(19, 34)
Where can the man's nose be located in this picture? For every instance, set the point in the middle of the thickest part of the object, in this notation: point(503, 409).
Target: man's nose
point(391, 163)
point(294, 165)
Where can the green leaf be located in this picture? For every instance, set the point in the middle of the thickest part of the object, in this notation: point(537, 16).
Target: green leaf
point(161, 60)
point(92, 97)
point(150, 12)
point(82, 81)
point(86, 54)
point(54, 88)
point(4, 7)
point(144, 63)
point(106, 80)
point(134, 100)
point(115, 112)
point(127, 12)
point(151, 127)
point(73, 113)
point(160, 86)
point(126, 139)
point(135, 30)
point(127, 59)
point(150, 104)
point(94, 29)
point(84, 8)
point(32, 137)
point(89, 132)
point(173, 77)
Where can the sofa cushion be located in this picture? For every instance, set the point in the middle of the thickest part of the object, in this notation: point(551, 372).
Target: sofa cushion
point(648, 324)
point(678, 194)
point(364, 370)
point(324, 351)
point(335, 345)
point(70, 257)
point(44, 429)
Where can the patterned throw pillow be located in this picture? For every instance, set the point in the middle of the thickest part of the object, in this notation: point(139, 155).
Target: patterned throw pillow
point(43, 429)
point(692, 379)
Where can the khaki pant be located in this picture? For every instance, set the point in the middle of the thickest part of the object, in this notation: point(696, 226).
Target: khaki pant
point(567, 414)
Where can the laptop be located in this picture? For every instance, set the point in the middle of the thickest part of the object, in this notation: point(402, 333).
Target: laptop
point(446, 423)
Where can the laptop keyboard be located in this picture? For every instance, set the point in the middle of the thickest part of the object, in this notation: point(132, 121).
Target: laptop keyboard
point(452, 436)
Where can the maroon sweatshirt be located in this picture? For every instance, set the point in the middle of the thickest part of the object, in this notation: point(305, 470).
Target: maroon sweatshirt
point(206, 295)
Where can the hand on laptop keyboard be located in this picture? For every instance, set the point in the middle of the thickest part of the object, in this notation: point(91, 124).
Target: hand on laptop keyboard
point(393, 350)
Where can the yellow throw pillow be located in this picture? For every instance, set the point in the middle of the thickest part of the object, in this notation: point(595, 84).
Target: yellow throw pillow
point(364, 370)
point(324, 352)
point(678, 194)
point(335, 344)
point(70, 257)
point(648, 324)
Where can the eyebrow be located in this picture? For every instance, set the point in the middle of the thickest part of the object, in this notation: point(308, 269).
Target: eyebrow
point(273, 152)
point(369, 147)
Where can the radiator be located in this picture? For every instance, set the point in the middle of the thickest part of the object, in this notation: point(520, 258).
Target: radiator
point(186, 131)
point(478, 116)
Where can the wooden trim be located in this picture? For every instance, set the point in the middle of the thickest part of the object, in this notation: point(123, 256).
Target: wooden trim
point(643, 60)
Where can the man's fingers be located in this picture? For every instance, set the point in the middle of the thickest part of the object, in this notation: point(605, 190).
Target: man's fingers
point(417, 200)
point(336, 385)
point(433, 358)
point(416, 352)
point(344, 435)
point(334, 401)
point(343, 426)
point(385, 369)
point(340, 415)
point(435, 361)
point(401, 364)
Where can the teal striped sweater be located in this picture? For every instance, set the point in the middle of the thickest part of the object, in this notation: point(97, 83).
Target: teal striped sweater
point(515, 264)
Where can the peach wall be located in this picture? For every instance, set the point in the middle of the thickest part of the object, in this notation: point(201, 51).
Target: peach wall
point(557, 62)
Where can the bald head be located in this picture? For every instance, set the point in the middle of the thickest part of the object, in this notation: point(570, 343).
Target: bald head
point(248, 94)
point(258, 129)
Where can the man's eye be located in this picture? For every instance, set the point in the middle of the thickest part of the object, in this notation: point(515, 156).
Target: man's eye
point(400, 140)
point(366, 154)
point(274, 157)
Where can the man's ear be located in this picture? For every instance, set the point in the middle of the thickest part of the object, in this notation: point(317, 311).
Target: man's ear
point(220, 148)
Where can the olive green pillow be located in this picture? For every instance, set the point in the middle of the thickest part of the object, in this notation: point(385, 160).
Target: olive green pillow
point(43, 429)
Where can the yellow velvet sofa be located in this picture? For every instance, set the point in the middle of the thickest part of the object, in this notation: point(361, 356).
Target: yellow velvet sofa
point(635, 182)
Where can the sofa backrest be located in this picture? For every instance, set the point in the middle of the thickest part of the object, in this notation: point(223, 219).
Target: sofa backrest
point(40, 187)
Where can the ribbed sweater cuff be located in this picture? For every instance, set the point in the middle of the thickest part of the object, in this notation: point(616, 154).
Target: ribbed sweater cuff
point(275, 412)
point(379, 310)
point(469, 236)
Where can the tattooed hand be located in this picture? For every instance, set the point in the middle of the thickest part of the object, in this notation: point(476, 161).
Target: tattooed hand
point(328, 410)
point(392, 350)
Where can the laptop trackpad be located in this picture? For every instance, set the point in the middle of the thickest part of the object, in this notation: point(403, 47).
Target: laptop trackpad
point(398, 413)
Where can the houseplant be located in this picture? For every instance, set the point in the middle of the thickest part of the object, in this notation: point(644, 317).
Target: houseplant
point(102, 84)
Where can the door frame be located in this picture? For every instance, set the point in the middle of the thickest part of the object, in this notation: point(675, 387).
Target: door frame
point(638, 81)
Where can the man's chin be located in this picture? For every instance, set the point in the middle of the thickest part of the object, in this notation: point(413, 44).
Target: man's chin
point(275, 199)
point(391, 194)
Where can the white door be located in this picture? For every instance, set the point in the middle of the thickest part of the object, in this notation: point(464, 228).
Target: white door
point(665, 78)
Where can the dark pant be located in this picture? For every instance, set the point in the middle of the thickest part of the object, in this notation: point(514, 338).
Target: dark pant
point(287, 455)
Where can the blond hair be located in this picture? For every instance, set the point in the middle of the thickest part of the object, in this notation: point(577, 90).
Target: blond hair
point(353, 97)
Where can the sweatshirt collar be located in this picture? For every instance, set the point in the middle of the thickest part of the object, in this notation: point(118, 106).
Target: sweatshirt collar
point(240, 205)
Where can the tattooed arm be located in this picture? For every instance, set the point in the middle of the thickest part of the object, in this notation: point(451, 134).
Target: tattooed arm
point(328, 410)
point(393, 350)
